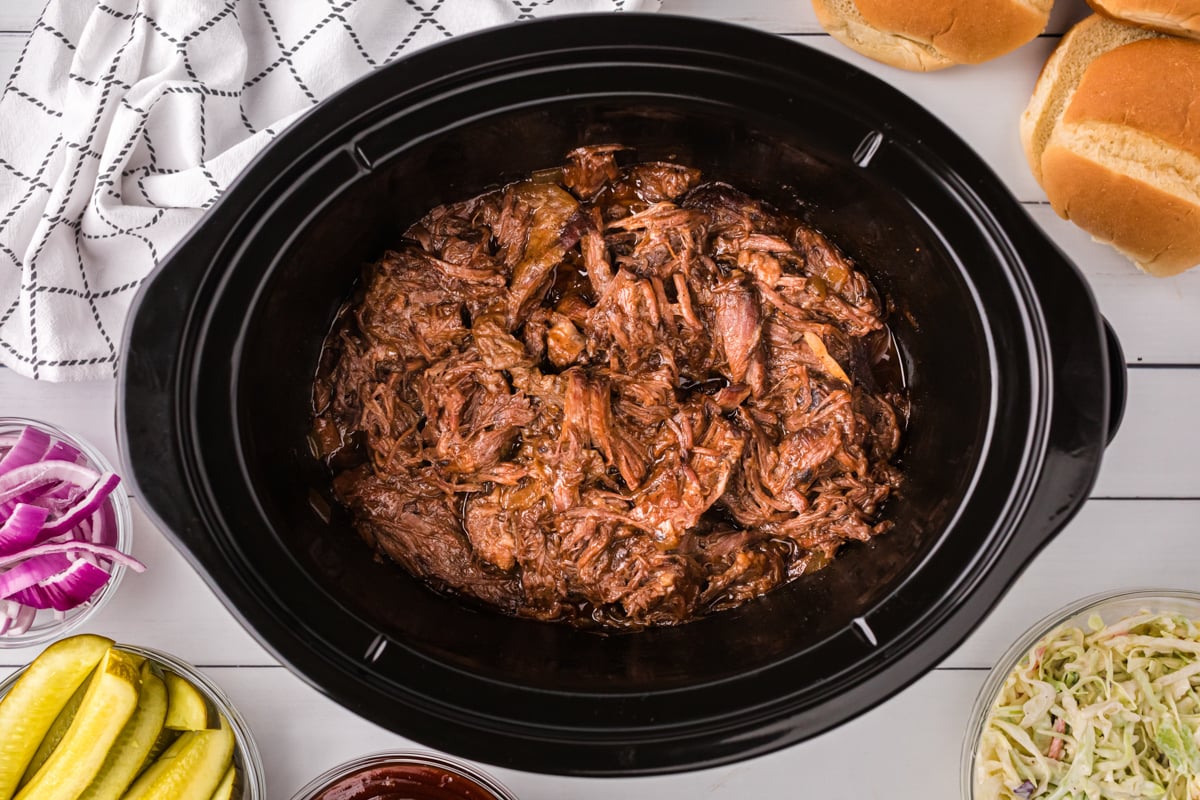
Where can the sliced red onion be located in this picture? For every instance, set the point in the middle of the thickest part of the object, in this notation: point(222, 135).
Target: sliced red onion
point(23, 621)
point(31, 476)
point(51, 496)
point(29, 448)
point(83, 532)
point(8, 613)
point(58, 529)
point(66, 589)
point(62, 494)
point(83, 508)
point(1025, 790)
point(111, 553)
point(33, 597)
point(32, 572)
point(104, 526)
point(21, 529)
point(61, 451)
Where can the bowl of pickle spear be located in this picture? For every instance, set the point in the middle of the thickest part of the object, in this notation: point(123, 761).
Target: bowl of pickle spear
point(90, 719)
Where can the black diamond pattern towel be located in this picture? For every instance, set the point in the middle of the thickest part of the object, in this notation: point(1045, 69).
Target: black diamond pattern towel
point(125, 119)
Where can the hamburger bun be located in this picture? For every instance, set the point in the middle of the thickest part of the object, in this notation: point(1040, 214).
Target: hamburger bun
point(924, 35)
point(1180, 17)
point(1113, 135)
point(1060, 76)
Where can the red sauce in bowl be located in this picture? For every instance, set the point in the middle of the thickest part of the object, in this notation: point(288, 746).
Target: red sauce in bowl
point(405, 782)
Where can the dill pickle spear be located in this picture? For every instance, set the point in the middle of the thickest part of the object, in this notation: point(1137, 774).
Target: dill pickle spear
point(109, 702)
point(191, 769)
point(58, 730)
point(37, 698)
point(188, 709)
point(165, 739)
point(225, 788)
point(135, 742)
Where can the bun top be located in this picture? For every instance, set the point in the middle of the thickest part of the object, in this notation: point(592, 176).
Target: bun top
point(963, 31)
point(1180, 17)
point(1150, 86)
point(925, 35)
point(1123, 161)
point(1083, 44)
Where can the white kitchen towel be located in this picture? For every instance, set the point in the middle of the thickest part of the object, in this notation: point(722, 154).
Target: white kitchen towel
point(125, 119)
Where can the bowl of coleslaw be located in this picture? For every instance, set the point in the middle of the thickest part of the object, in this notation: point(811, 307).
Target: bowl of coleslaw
point(1101, 699)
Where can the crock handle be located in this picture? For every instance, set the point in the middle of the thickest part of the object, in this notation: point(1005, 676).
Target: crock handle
point(1117, 382)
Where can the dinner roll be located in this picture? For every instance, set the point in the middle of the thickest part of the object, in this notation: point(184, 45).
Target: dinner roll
point(1113, 135)
point(1181, 17)
point(924, 35)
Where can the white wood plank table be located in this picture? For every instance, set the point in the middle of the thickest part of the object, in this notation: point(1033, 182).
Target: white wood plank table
point(1139, 528)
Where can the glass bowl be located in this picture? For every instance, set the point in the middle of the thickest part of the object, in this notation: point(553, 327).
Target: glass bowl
point(245, 756)
point(1110, 607)
point(472, 783)
point(49, 625)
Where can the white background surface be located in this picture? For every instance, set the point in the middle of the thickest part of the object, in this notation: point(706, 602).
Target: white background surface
point(1139, 529)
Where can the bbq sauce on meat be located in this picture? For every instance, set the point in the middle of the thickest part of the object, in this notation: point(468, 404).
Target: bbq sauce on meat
point(611, 395)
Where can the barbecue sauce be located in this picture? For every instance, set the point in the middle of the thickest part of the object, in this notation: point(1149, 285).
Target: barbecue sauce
point(405, 782)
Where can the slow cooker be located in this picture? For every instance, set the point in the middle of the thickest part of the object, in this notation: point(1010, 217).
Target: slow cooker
point(1016, 386)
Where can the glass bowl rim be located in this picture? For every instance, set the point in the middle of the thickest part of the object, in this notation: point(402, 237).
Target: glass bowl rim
point(123, 514)
point(1020, 647)
point(401, 756)
point(253, 775)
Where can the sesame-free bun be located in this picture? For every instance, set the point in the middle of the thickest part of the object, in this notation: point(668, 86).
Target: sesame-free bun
point(924, 35)
point(1091, 38)
point(1180, 17)
point(1113, 135)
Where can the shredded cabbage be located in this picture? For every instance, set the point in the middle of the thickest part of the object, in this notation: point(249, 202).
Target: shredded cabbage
point(1110, 713)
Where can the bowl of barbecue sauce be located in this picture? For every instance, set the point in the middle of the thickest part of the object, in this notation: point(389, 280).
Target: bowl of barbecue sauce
point(404, 775)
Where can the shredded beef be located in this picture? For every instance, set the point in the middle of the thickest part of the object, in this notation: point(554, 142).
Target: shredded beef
point(611, 395)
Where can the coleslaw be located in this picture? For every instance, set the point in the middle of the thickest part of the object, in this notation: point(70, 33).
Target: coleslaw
point(1107, 713)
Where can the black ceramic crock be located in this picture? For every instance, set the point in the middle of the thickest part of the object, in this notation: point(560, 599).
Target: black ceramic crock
point(1015, 391)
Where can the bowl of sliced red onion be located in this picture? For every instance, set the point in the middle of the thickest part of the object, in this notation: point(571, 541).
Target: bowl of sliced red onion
point(64, 532)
